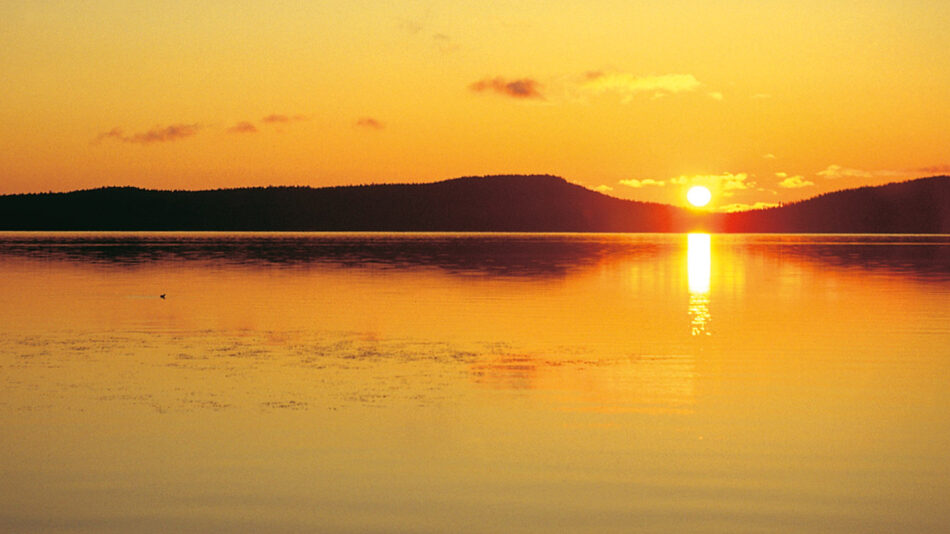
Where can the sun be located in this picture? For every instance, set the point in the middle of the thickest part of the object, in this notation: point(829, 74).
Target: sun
point(698, 196)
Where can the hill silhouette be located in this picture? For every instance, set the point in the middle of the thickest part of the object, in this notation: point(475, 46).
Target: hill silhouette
point(920, 206)
point(522, 203)
point(532, 203)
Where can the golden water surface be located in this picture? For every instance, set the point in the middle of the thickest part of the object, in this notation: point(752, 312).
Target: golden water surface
point(474, 383)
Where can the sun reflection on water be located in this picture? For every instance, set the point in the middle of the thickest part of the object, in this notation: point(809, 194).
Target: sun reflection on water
point(698, 273)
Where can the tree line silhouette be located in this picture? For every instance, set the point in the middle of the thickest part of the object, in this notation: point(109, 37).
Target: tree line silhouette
point(519, 203)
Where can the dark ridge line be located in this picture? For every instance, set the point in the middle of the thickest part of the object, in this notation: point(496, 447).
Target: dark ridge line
point(499, 203)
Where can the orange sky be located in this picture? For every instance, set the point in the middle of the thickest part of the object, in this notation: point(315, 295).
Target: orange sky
point(763, 101)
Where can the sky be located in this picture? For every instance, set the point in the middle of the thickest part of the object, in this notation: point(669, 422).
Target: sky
point(764, 102)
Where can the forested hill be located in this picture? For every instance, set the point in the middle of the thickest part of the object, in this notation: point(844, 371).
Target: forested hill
point(533, 203)
point(494, 203)
point(919, 206)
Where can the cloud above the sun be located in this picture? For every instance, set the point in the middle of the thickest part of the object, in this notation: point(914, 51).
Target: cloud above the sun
point(727, 183)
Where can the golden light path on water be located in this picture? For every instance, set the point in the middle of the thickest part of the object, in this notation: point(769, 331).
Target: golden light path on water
point(476, 383)
point(698, 271)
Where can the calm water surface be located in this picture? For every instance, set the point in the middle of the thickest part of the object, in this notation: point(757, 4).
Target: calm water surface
point(474, 383)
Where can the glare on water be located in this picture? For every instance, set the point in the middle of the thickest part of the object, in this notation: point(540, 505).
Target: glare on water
point(699, 269)
point(474, 382)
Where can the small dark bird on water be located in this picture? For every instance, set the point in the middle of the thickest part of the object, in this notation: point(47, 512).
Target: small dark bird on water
point(162, 296)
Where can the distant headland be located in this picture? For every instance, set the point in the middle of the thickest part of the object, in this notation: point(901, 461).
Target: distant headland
point(519, 203)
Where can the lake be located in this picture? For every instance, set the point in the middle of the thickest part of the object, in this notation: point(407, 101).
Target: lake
point(474, 383)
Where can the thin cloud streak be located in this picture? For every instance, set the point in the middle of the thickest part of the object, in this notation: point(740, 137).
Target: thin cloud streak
point(439, 40)
point(629, 85)
point(591, 84)
point(173, 132)
point(277, 118)
point(524, 88)
point(243, 127)
point(114, 133)
point(369, 122)
point(833, 172)
point(837, 171)
point(793, 182)
point(642, 183)
point(936, 169)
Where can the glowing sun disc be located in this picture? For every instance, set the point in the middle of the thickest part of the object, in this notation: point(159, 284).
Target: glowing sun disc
point(698, 196)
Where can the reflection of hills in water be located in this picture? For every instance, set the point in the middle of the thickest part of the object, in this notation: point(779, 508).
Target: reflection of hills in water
point(923, 256)
point(501, 255)
point(505, 255)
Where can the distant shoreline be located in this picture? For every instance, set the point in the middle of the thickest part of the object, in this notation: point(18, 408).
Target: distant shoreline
point(490, 204)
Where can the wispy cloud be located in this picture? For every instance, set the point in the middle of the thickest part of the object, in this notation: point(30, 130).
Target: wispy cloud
point(768, 156)
point(935, 169)
point(837, 171)
point(793, 182)
point(243, 127)
point(591, 84)
point(114, 133)
point(369, 122)
point(524, 88)
point(603, 188)
point(277, 118)
point(642, 183)
point(159, 134)
point(730, 182)
point(439, 40)
point(630, 85)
